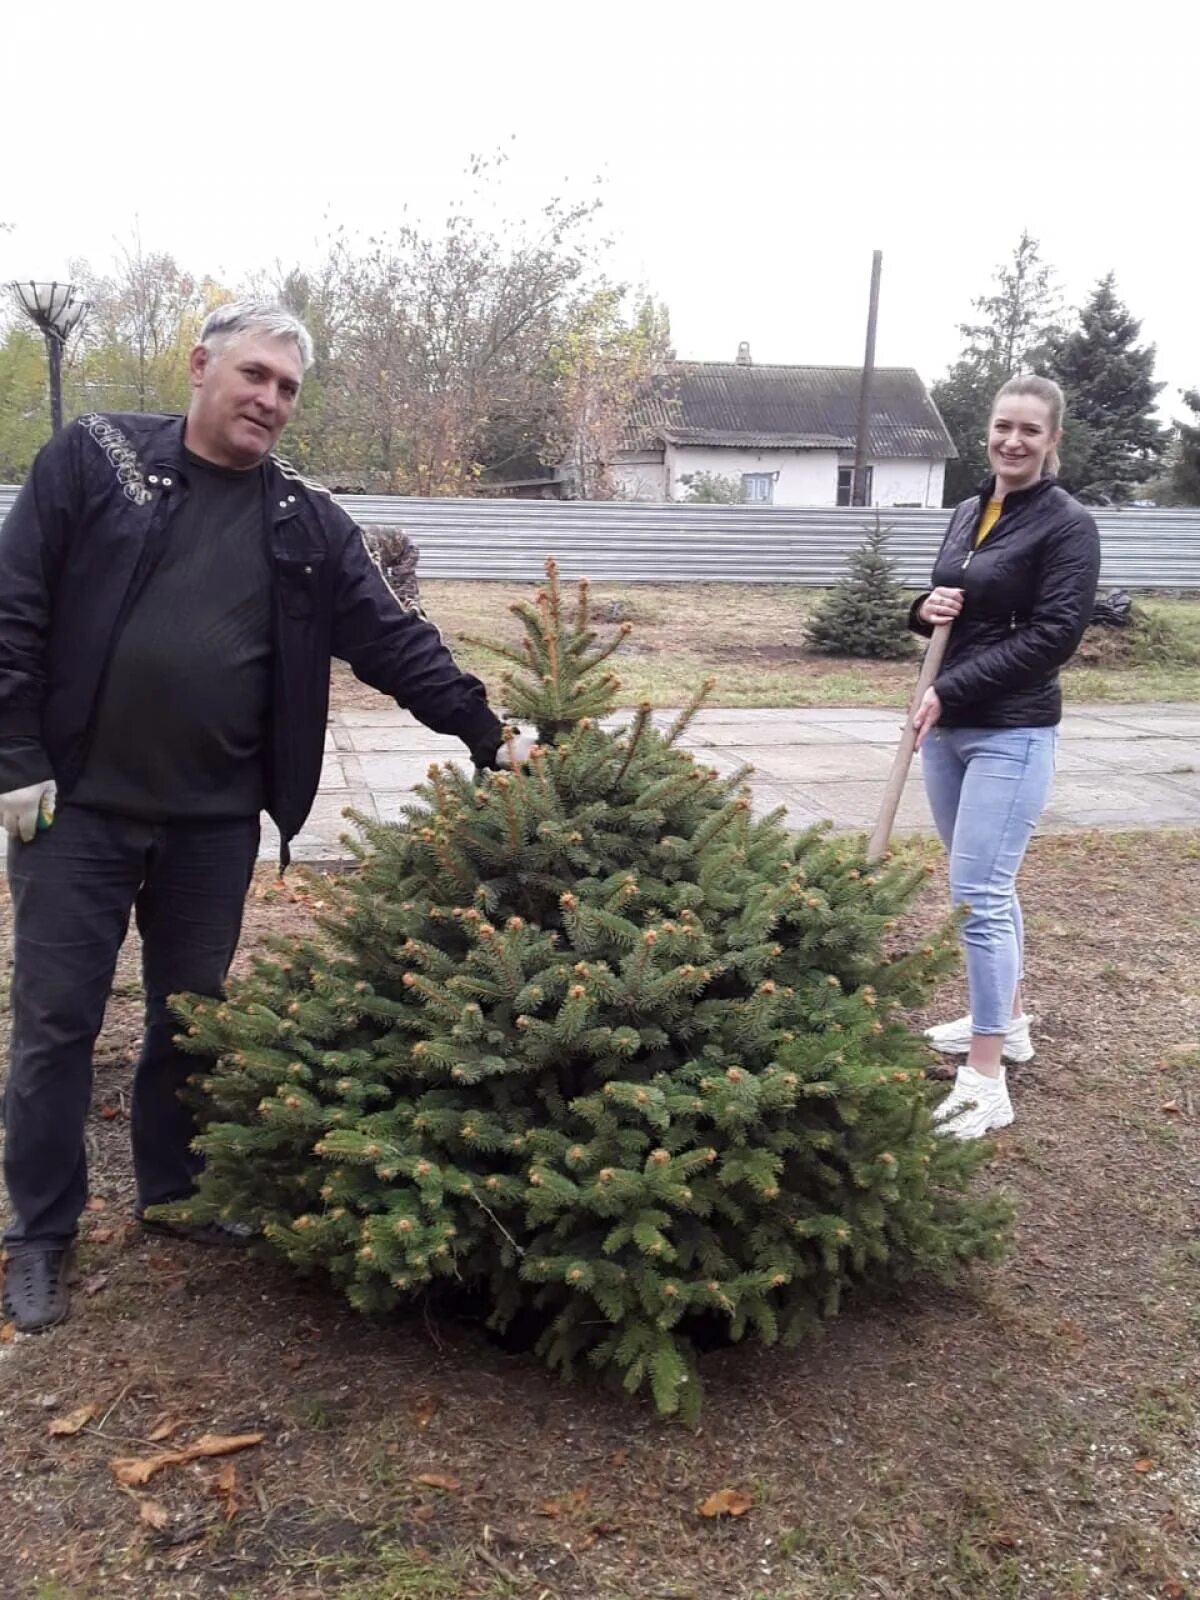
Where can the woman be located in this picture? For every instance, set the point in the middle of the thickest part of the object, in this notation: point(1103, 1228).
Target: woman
point(1016, 575)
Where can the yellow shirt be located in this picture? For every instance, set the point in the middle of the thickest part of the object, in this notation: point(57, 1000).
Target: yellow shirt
point(989, 519)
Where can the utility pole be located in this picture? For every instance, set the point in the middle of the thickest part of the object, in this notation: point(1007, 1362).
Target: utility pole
point(858, 483)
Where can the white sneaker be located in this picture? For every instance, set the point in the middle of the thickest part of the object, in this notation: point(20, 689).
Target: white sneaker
point(954, 1038)
point(974, 1107)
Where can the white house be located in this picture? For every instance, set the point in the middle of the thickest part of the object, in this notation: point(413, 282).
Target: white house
point(787, 433)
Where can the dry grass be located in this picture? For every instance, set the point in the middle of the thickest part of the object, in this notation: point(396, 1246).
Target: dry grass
point(751, 638)
point(1031, 1437)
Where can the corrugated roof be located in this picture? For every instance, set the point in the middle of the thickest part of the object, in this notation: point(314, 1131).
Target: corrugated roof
point(786, 407)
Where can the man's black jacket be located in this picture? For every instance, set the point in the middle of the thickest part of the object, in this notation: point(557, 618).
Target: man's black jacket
point(76, 550)
point(1029, 590)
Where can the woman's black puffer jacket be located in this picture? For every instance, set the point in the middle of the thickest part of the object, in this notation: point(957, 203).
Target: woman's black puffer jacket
point(1028, 595)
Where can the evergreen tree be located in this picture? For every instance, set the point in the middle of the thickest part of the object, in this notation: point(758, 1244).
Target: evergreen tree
point(1112, 441)
point(867, 613)
point(589, 1037)
point(1185, 474)
point(1011, 334)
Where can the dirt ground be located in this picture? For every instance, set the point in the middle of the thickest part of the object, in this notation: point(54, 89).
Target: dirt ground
point(1031, 1436)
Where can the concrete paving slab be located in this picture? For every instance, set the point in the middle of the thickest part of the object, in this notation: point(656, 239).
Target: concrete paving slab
point(1135, 802)
point(1127, 766)
point(1163, 756)
point(856, 805)
point(333, 774)
point(1082, 725)
point(883, 728)
point(400, 770)
point(384, 737)
point(799, 732)
point(1171, 727)
point(786, 763)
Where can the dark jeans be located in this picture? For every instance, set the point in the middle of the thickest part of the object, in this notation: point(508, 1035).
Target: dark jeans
point(73, 889)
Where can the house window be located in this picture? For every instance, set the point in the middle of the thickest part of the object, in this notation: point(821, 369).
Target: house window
point(846, 485)
point(758, 488)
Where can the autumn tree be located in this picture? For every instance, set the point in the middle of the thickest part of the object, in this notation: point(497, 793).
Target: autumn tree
point(1010, 333)
point(603, 361)
point(142, 322)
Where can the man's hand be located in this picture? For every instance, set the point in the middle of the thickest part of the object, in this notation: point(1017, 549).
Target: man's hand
point(515, 752)
point(19, 809)
point(927, 715)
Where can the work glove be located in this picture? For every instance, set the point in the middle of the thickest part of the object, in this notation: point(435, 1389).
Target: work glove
point(511, 756)
point(21, 810)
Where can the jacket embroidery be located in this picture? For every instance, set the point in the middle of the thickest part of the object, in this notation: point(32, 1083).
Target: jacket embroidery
point(121, 454)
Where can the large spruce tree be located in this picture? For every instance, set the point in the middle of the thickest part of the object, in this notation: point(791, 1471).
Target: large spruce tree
point(1113, 442)
point(1185, 470)
point(595, 1041)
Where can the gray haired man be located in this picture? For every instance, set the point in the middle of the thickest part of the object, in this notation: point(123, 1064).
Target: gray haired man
point(171, 595)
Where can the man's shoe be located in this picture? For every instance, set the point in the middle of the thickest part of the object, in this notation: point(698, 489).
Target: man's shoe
point(954, 1038)
point(222, 1235)
point(976, 1106)
point(36, 1293)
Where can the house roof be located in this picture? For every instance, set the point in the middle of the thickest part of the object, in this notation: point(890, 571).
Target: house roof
point(789, 408)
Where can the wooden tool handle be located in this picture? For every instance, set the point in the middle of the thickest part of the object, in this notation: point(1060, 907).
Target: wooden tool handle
point(931, 665)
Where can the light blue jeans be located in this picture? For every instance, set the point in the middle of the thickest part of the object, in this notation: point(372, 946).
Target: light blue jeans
point(987, 788)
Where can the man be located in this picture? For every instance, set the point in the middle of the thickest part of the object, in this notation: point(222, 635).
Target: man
point(171, 594)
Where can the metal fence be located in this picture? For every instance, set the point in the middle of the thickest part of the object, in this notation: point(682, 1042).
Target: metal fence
point(626, 542)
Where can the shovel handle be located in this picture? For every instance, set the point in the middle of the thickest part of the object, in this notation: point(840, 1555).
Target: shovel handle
point(931, 665)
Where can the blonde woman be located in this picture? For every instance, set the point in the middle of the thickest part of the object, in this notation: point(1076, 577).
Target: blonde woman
point(1016, 575)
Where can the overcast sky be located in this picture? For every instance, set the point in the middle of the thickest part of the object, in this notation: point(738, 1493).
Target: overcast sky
point(752, 155)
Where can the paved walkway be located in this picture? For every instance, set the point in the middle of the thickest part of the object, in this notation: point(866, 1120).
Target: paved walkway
point(1119, 767)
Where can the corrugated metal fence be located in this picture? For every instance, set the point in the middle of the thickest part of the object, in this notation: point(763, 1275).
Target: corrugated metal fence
point(625, 542)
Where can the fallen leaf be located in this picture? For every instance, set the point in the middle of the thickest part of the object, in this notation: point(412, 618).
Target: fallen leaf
point(293, 1360)
point(7, 1333)
point(154, 1513)
point(132, 1471)
point(550, 1508)
point(619, 1458)
point(95, 1283)
point(439, 1480)
point(101, 1235)
point(163, 1428)
point(95, 1203)
point(1174, 1590)
point(1144, 1464)
point(1172, 1108)
point(423, 1513)
point(224, 1483)
point(427, 1410)
point(110, 1113)
point(726, 1503)
point(67, 1427)
point(221, 1444)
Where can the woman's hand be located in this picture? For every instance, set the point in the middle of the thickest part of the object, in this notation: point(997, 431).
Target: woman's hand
point(927, 715)
point(941, 605)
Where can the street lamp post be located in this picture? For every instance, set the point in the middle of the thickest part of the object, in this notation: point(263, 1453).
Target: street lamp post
point(55, 308)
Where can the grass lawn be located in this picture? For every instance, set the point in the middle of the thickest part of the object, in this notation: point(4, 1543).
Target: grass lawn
point(751, 638)
point(1031, 1436)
